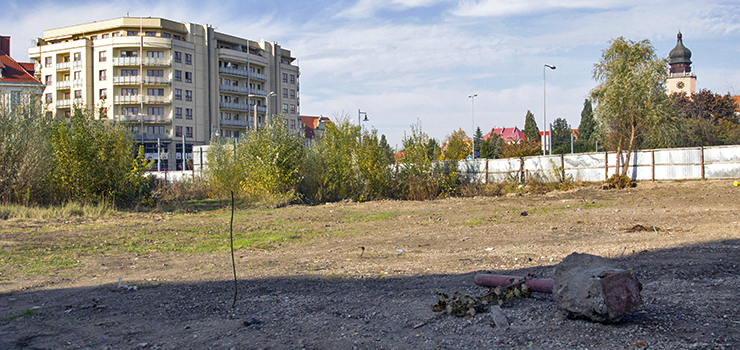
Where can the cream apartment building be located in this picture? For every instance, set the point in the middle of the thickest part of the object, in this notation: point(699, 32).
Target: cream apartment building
point(176, 85)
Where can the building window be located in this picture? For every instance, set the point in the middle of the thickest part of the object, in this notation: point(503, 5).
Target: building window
point(105, 36)
point(178, 112)
point(78, 56)
point(292, 79)
point(155, 54)
point(78, 93)
point(93, 37)
point(188, 58)
point(47, 61)
point(102, 56)
point(155, 130)
point(47, 79)
point(166, 35)
point(129, 92)
point(285, 108)
point(178, 131)
point(292, 124)
point(148, 33)
point(155, 111)
point(188, 95)
point(188, 77)
point(130, 110)
point(116, 34)
point(292, 93)
point(285, 77)
point(129, 53)
point(188, 113)
point(292, 109)
point(155, 92)
point(178, 56)
point(49, 99)
point(129, 72)
point(189, 131)
point(178, 75)
point(77, 74)
point(177, 37)
point(102, 75)
point(103, 94)
point(178, 94)
point(285, 93)
point(132, 33)
point(155, 73)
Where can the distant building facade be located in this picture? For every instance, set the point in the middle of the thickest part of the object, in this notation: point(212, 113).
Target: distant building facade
point(176, 85)
point(17, 82)
point(313, 127)
point(509, 135)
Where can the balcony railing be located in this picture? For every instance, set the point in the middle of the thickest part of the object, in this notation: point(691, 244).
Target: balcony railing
point(234, 123)
point(63, 66)
point(242, 90)
point(64, 103)
point(129, 80)
point(78, 101)
point(77, 82)
point(242, 73)
point(140, 98)
point(64, 84)
point(135, 61)
point(153, 137)
point(150, 119)
point(76, 64)
point(242, 107)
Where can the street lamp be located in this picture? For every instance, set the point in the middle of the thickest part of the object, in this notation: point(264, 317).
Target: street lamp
point(472, 101)
point(267, 101)
point(544, 106)
point(359, 120)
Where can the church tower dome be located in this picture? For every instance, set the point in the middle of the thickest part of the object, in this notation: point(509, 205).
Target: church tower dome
point(680, 57)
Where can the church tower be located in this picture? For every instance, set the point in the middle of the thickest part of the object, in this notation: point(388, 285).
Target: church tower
point(680, 79)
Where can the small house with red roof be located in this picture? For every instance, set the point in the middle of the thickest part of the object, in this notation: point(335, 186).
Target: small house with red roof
point(16, 79)
point(509, 135)
point(313, 127)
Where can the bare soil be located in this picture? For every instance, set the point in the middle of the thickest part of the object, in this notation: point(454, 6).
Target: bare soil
point(327, 292)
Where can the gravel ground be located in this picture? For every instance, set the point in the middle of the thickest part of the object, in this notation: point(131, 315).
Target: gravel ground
point(324, 294)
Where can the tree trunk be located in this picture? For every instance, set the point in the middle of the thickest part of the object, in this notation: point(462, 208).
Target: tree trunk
point(630, 149)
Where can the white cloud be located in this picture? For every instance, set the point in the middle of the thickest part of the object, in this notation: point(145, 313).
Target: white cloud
point(498, 8)
point(367, 8)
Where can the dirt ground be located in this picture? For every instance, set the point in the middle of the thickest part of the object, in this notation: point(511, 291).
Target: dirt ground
point(329, 293)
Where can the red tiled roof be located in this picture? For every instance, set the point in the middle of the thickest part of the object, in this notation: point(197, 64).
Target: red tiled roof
point(14, 72)
point(737, 102)
point(30, 67)
point(508, 134)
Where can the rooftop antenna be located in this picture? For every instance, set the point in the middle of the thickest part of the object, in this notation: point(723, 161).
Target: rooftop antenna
point(126, 13)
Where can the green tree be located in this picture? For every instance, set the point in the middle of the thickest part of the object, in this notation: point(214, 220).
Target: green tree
point(705, 119)
point(531, 131)
point(560, 133)
point(25, 151)
point(94, 162)
point(477, 140)
point(630, 95)
point(491, 148)
point(456, 146)
point(588, 123)
point(421, 175)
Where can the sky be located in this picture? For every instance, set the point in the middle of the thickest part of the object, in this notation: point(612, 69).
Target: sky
point(415, 62)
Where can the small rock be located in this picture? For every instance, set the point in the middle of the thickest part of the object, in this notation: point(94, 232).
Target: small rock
point(498, 317)
point(251, 322)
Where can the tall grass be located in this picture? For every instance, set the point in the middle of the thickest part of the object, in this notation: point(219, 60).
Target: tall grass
point(68, 210)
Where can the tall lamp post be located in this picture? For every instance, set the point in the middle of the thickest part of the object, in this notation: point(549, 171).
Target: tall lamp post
point(544, 107)
point(472, 101)
point(267, 101)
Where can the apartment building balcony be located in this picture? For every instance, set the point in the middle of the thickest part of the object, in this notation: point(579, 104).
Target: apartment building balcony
point(140, 98)
point(63, 103)
point(76, 64)
point(149, 119)
point(135, 61)
point(242, 107)
point(242, 90)
point(64, 84)
point(242, 73)
point(78, 102)
point(234, 123)
point(63, 66)
point(135, 80)
point(77, 82)
point(153, 137)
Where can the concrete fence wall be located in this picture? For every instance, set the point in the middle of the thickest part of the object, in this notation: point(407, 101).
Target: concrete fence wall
point(717, 162)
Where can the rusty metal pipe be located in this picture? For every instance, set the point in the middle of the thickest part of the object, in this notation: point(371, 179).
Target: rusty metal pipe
point(540, 285)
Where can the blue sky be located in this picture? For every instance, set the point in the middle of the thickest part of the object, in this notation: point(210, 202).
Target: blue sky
point(409, 61)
